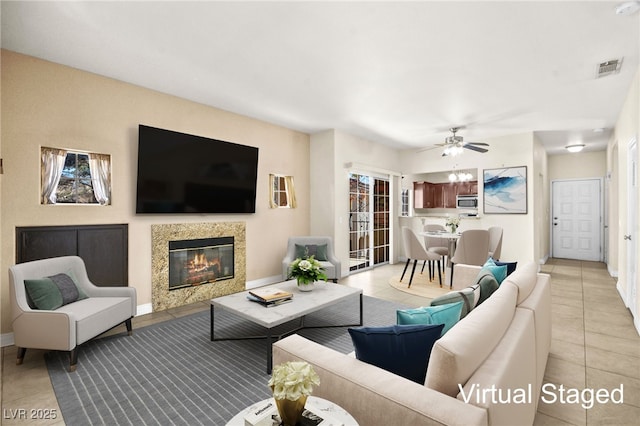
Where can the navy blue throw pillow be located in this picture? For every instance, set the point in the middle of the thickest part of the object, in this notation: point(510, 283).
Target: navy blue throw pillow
point(401, 349)
point(511, 266)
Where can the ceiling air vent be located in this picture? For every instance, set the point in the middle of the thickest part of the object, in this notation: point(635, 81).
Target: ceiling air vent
point(608, 68)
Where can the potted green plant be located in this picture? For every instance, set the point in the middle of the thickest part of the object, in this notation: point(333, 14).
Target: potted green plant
point(306, 271)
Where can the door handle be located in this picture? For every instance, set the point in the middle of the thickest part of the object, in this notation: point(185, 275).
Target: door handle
point(627, 237)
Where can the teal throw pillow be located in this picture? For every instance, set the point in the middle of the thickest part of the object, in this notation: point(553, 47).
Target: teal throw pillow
point(318, 251)
point(52, 292)
point(500, 272)
point(448, 314)
point(401, 349)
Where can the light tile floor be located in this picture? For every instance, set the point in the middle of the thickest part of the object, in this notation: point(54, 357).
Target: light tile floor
point(594, 346)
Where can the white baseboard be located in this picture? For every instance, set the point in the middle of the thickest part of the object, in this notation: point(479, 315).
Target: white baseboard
point(263, 281)
point(612, 272)
point(622, 293)
point(6, 339)
point(147, 308)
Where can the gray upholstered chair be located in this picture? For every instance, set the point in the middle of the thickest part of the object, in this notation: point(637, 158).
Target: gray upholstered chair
point(414, 249)
point(495, 242)
point(322, 247)
point(472, 249)
point(72, 324)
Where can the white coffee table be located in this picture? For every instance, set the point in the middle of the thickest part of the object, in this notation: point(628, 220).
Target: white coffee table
point(319, 405)
point(322, 296)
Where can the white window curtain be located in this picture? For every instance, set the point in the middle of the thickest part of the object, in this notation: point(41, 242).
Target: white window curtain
point(52, 165)
point(273, 183)
point(288, 188)
point(100, 166)
point(291, 192)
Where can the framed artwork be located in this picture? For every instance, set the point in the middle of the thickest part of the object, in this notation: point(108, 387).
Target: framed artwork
point(505, 190)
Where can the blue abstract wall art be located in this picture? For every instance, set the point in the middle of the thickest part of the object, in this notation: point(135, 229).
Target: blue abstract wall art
point(505, 190)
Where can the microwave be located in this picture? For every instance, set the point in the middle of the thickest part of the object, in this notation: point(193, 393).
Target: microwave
point(467, 201)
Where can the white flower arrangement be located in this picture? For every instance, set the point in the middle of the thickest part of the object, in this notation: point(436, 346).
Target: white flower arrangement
point(307, 271)
point(453, 221)
point(293, 379)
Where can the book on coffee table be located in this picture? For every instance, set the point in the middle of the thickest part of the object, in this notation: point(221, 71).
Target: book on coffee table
point(270, 294)
point(267, 415)
point(271, 303)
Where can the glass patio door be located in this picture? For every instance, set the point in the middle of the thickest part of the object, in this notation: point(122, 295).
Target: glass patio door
point(369, 204)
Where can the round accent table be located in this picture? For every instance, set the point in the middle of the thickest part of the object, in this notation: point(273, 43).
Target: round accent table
point(318, 405)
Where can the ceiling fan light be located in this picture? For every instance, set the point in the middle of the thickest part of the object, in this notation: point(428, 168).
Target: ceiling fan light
point(628, 8)
point(575, 147)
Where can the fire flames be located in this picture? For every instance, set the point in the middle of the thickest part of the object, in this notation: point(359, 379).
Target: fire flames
point(200, 263)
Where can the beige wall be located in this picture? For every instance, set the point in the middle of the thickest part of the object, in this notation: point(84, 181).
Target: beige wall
point(332, 152)
point(48, 104)
point(577, 166)
point(627, 128)
point(541, 202)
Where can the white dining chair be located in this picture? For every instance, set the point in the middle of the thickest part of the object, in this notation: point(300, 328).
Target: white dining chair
point(472, 249)
point(435, 245)
point(414, 249)
point(495, 242)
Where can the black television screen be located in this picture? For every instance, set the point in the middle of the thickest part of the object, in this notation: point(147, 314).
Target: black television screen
point(182, 173)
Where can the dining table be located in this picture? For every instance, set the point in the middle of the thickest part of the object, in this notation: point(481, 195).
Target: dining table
point(451, 237)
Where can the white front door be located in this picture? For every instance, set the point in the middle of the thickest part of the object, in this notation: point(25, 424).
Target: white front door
point(576, 219)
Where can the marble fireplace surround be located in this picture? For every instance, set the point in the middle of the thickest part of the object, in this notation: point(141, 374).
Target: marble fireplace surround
point(161, 297)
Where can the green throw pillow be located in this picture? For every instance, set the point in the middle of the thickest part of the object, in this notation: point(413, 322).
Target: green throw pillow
point(52, 292)
point(318, 251)
point(468, 296)
point(448, 315)
point(488, 284)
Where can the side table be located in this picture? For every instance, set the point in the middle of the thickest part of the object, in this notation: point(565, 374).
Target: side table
point(316, 404)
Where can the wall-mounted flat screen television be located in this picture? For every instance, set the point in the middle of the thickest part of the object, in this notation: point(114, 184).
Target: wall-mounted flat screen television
point(182, 173)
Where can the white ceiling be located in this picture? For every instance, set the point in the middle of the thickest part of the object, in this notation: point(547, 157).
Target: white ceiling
point(399, 73)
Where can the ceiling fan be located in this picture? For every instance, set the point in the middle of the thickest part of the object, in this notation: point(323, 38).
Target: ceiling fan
point(454, 144)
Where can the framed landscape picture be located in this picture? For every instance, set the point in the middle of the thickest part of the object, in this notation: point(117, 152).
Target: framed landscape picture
point(505, 190)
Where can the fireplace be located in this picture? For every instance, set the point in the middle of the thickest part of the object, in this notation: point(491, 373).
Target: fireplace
point(232, 279)
point(200, 261)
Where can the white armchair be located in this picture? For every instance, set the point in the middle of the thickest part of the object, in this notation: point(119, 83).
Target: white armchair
point(328, 260)
point(72, 324)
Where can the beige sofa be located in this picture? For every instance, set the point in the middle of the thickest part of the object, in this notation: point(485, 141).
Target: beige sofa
point(503, 344)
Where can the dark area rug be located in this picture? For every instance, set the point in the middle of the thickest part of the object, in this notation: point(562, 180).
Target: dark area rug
point(171, 373)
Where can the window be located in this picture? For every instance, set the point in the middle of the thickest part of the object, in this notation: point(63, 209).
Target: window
point(71, 177)
point(404, 203)
point(75, 182)
point(282, 192)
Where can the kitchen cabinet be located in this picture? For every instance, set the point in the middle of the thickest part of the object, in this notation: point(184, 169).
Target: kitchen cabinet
point(427, 195)
point(467, 188)
point(450, 192)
